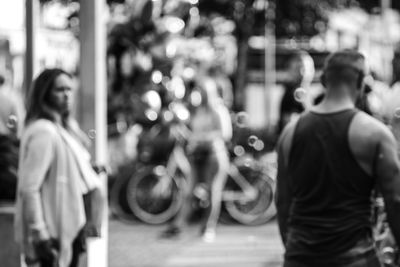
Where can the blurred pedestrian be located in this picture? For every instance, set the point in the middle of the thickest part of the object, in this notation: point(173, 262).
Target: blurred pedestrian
point(300, 73)
point(224, 85)
point(11, 116)
point(391, 99)
point(11, 110)
point(210, 129)
point(330, 161)
point(55, 175)
point(396, 65)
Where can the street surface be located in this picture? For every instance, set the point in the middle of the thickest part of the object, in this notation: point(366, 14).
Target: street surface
point(140, 245)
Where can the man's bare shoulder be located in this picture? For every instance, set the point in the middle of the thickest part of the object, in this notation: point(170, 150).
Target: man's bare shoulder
point(366, 126)
point(285, 141)
point(287, 132)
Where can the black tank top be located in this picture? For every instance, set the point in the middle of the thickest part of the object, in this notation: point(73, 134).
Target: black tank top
point(331, 208)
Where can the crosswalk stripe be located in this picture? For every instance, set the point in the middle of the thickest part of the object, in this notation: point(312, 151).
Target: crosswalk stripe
point(184, 261)
point(224, 253)
point(240, 251)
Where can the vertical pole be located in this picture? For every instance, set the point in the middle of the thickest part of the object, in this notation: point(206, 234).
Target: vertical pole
point(93, 101)
point(386, 4)
point(340, 38)
point(387, 49)
point(32, 8)
point(31, 25)
point(269, 59)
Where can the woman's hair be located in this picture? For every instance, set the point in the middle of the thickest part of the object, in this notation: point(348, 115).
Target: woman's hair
point(37, 105)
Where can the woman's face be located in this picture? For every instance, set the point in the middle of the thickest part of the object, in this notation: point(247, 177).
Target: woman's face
point(60, 96)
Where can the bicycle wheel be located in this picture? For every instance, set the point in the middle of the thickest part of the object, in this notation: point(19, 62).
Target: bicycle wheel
point(118, 202)
point(259, 210)
point(153, 196)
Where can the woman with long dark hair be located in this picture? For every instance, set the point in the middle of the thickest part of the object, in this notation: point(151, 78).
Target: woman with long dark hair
point(55, 175)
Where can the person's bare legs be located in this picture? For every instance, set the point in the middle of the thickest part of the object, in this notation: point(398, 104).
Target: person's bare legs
point(217, 174)
point(181, 218)
point(184, 212)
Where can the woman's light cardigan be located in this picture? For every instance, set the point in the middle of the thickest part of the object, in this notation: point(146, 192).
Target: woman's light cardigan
point(49, 196)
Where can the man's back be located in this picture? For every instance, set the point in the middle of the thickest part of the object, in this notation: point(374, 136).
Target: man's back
point(331, 208)
point(329, 164)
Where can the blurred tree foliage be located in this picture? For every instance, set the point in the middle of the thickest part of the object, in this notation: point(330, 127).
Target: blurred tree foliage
point(243, 13)
point(291, 19)
point(306, 18)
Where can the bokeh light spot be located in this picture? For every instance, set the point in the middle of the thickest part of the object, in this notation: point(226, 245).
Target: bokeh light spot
point(252, 140)
point(12, 122)
point(242, 119)
point(92, 134)
point(397, 113)
point(238, 150)
point(299, 94)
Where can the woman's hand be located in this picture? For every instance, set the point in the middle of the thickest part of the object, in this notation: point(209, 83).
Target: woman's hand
point(47, 249)
point(100, 168)
point(32, 262)
point(90, 230)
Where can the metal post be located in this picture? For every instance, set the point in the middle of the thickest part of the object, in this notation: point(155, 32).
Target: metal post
point(386, 4)
point(387, 49)
point(31, 24)
point(93, 102)
point(270, 50)
point(32, 9)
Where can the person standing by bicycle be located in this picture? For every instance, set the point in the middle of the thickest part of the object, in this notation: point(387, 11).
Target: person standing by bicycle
point(330, 161)
point(210, 129)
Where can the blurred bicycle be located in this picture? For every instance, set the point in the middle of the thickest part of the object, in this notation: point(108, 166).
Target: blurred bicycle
point(155, 192)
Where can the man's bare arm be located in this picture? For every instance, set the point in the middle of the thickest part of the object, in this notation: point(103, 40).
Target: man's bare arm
point(387, 168)
point(283, 196)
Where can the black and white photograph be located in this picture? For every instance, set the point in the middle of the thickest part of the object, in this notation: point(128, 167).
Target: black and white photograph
point(199, 133)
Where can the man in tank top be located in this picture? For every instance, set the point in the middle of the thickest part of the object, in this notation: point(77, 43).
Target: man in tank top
point(330, 161)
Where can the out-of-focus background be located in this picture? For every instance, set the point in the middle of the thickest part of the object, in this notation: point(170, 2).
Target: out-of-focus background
point(237, 39)
point(157, 53)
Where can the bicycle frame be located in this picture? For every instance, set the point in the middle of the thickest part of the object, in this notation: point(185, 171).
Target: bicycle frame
point(178, 161)
point(247, 192)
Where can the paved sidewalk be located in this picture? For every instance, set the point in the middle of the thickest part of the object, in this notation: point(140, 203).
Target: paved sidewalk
point(139, 245)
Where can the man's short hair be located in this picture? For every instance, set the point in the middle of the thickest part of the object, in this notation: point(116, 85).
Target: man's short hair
point(344, 67)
